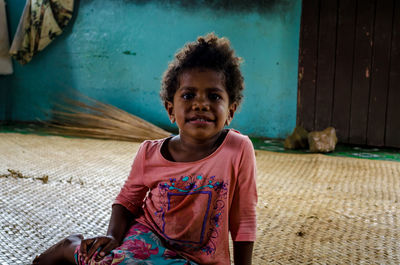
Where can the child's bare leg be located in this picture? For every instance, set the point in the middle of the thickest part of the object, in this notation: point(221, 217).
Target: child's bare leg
point(63, 251)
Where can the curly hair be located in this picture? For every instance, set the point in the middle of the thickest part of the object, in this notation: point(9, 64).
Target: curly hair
point(209, 52)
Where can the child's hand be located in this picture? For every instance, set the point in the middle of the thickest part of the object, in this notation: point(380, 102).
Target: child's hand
point(101, 245)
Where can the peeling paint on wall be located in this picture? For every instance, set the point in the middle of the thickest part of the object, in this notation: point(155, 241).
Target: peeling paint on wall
point(129, 53)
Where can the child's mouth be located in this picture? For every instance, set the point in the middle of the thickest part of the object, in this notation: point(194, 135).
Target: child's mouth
point(200, 121)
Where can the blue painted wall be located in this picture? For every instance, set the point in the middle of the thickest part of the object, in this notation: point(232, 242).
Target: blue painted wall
point(116, 51)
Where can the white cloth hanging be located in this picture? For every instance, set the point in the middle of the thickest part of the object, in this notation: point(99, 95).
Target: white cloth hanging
point(5, 58)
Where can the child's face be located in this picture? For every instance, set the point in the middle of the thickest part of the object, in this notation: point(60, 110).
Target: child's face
point(201, 105)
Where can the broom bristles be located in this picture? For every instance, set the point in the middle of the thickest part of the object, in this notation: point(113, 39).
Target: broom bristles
point(96, 119)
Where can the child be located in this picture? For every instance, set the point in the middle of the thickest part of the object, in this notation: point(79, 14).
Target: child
point(187, 192)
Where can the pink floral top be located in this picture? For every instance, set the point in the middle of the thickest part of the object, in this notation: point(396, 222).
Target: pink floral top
point(194, 205)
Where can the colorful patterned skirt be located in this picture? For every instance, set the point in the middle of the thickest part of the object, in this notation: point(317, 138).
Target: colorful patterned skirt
point(140, 246)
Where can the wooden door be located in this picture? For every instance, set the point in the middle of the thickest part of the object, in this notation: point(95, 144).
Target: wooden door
point(349, 70)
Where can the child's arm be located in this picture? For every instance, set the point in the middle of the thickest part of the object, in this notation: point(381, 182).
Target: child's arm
point(121, 218)
point(242, 252)
point(119, 223)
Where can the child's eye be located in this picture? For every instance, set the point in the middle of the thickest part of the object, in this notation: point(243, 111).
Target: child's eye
point(187, 96)
point(214, 96)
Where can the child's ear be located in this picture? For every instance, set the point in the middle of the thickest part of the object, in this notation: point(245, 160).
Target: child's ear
point(169, 106)
point(231, 113)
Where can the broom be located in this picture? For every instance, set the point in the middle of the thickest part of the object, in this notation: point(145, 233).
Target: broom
point(95, 119)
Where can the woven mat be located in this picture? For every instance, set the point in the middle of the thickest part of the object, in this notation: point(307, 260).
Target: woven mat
point(312, 209)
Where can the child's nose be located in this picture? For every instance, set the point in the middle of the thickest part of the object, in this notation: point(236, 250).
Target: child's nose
point(201, 104)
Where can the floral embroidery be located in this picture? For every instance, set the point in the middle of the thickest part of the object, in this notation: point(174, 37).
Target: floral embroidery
point(195, 185)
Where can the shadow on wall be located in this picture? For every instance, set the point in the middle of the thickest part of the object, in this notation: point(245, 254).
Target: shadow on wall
point(237, 6)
